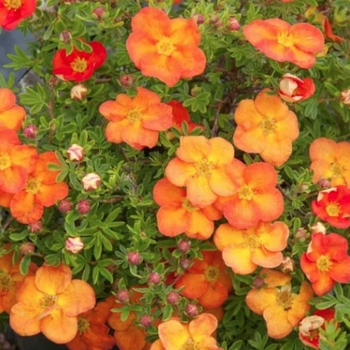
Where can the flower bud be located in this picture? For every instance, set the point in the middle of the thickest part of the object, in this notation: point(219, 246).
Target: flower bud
point(91, 181)
point(324, 183)
point(154, 278)
point(145, 321)
point(134, 258)
point(301, 234)
point(199, 18)
point(184, 246)
point(127, 80)
point(65, 36)
point(287, 265)
point(123, 296)
point(293, 89)
point(98, 12)
point(83, 206)
point(258, 282)
point(74, 245)
point(318, 227)
point(35, 227)
point(78, 92)
point(27, 248)
point(234, 24)
point(192, 310)
point(30, 131)
point(345, 96)
point(75, 153)
point(64, 206)
point(185, 263)
point(173, 298)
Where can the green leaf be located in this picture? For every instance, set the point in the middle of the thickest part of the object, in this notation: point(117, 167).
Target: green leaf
point(24, 265)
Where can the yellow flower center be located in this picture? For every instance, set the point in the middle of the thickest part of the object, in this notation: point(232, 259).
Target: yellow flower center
point(186, 204)
point(246, 193)
point(165, 46)
point(323, 263)
point(83, 325)
point(79, 65)
point(13, 4)
point(133, 115)
point(204, 167)
point(33, 185)
point(337, 168)
point(5, 283)
point(48, 300)
point(212, 273)
point(285, 39)
point(252, 242)
point(285, 298)
point(191, 345)
point(268, 125)
point(333, 209)
point(5, 161)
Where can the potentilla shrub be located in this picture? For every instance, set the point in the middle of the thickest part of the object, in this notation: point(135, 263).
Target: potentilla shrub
point(177, 176)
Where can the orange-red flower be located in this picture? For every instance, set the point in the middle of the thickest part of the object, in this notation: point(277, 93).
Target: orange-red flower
point(197, 334)
point(277, 39)
point(50, 302)
point(14, 12)
point(5, 199)
point(16, 161)
point(266, 126)
point(257, 198)
point(92, 330)
point(136, 121)
point(177, 215)
point(11, 115)
point(326, 262)
point(165, 48)
point(41, 190)
point(10, 281)
point(245, 250)
point(333, 205)
point(293, 89)
point(309, 327)
point(79, 65)
point(206, 280)
point(330, 160)
point(201, 166)
point(281, 309)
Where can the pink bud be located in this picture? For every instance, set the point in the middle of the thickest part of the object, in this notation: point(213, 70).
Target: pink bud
point(91, 181)
point(345, 96)
point(27, 248)
point(301, 234)
point(184, 246)
point(65, 36)
point(192, 310)
point(134, 258)
point(64, 206)
point(154, 278)
point(324, 183)
point(35, 227)
point(185, 263)
point(74, 245)
point(30, 131)
point(258, 282)
point(83, 206)
point(199, 18)
point(78, 92)
point(145, 321)
point(98, 12)
point(293, 89)
point(173, 298)
point(234, 24)
point(123, 296)
point(127, 80)
point(75, 153)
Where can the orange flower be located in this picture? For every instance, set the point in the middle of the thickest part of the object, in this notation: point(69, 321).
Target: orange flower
point(136, 121)
point(281, 309)
point(11, 115)
point(92, 330)
point(177, 215)
point(50, 302)
point(10, 281)
point(277, 39)
point(41, 190)
point(195, 335)
point(5, 199)
point(330, 160)
point(266, 126)
point(245, 250)
point(14, 12)
point(326, 262)
point(16, 161)
point(333, 206)
point(165, 48)
point(201, 166)
point(206, 280)
point(256, 199)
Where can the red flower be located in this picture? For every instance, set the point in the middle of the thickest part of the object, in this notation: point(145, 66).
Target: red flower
point(78, 65)
point(333, 206)
point(293, 89)
point(14, 12)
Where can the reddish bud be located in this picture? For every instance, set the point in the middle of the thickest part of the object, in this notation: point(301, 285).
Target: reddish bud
point(234, 24)
point(184, 246)
point(75, 153)
point(154, 278)
point(258, 282)
point(199, 18)
point(185, 263)
point(192, 310)
point(145, 321)
point(27, 248)
point(35, 227)
point(91, 181)
point(123, 296)
point(324, 183)
point(127, 80)
point(134, 258)
point(301, 234)
point(98, 12)
point(64, 206)
point(293, 89)
point(173, 298)
point(83, 206)
point(65, 36)
point(30, 131)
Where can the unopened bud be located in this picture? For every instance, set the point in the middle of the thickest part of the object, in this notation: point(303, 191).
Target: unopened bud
point(173, 298)
point(30, 131)
point(287, 265)
point(192, 310)
point(258, 282)
point(98, 12)
point(184, 246)
point(74, 245)
point(64, 206)
point(127, 80)
point(78, 92)
point(134, 258)
point(75, 153)
point(185, 263)
point(199, 18)
point(301, 234)
point(154, 278)
point(35, 227)
point(91, 181)
point(27, 248)
point(145, 321)
point(123, 296)
point(318, 227)
point(324, 183)
point(345, 96)
point(83, 206)
point(65, 36)
point(234, 24)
